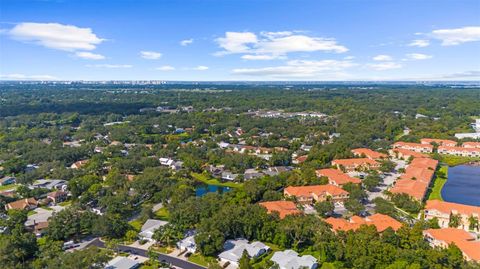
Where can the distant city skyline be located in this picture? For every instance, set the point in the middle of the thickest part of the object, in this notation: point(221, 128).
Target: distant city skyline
point(237, 40)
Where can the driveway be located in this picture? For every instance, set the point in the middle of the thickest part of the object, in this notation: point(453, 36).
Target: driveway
point(144, 253)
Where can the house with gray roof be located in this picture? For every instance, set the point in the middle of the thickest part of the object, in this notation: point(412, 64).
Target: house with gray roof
point(289, 259)
point(149, 228)
point(122, 263)
point(234, 250)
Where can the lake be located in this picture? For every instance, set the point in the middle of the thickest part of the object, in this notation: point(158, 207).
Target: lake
point(204, 189)
point(463, 185)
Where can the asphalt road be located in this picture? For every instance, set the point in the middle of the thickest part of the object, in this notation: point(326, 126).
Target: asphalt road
point(141, 252)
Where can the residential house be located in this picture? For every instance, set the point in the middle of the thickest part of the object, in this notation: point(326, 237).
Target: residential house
point(356, 164)
point(380, 221)
point(459, 151)
point(78, 164)
point(22, 204)
point(317, 193)
point(7, 181)
point(283, 208)
point(443, 211)
point(166, 161)
point(373, 155)
point(305, 148)
point(417, 178)
point(289, 259)
point(300, 159)
point(337, 177)
point(229, 176)
point(216, 171)
point(417, 147)
point(251, 174)
point(440, 142)
point(275, 170)
point(465, 241)
point(188, 242)
point(57, 196)
point(58, 184)
point(120, 262)
point(234, 250)
point(149, 227)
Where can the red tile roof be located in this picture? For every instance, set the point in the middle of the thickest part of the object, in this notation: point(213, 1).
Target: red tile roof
point(318, 190)
point(457, 149)
point(284, 208)
point(408, 145)
point(380, 221)
point(417, 178)
point(447, 208)
point(409, 153)
point(462, 239)
point(355, 162)
point(368, 153)
point(471, 145)
point(337, 176)
point(441, 142)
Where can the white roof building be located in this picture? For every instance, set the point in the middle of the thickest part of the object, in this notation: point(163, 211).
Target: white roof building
point(122, 263)
point(149, 228)
point(289, 259)
point(188, 244)
point(234, 250)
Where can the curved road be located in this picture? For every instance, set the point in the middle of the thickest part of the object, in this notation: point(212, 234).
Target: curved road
point(162, 257)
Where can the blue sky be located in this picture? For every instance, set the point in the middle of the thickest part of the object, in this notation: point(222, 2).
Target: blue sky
point(240, 40)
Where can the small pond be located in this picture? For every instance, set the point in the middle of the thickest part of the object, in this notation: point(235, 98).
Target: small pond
point(463, 185)
point(204, 189)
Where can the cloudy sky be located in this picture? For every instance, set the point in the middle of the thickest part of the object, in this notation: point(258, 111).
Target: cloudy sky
point(240, 40)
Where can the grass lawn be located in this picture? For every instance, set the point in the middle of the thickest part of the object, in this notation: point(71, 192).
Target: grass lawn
point(213, 181)
point(201, 260)
point(66, 203)
point(452, 160)
point(136, 224)
point(162, 214)
point(9, 187)
point(162, 249)
point(436, 192)
point(31, 212)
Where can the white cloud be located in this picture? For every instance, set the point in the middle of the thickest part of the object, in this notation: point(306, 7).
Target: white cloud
point(384, 66)
point(186, 42)
point(201, 68)
point(421, 43)
point(89, 55)
point(457, 36)
point(27, 77)
point(260, 57)
point(165, 68)
point(150, 55)
point(110, 65)
point(299, 69)
point(274, 44)
point(418, 56)
point(349, 57)
point(56, 36)
point(236, 42)
point(382, 57)
point(473, 75)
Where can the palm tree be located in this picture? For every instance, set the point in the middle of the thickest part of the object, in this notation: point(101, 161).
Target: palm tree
point(454, 220)
point(473, 223)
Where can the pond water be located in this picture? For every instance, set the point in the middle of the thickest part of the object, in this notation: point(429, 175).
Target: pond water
point(463, 185)
point(204, 189)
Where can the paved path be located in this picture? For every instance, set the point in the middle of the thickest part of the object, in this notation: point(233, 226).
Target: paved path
point(162, 257)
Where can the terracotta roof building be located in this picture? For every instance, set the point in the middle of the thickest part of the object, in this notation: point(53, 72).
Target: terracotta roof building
point(380, 221)
point(440, 142)
point(465, 241)
point(471, 145)
point(459, 151)
point(284, 208)
point(442, 211)
point(22, 204)
point(406, 154)
point(424, 148)
point(417, 178)
point(360, 152)
point(309, 194)
point(337, 177)
point(356, 164)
